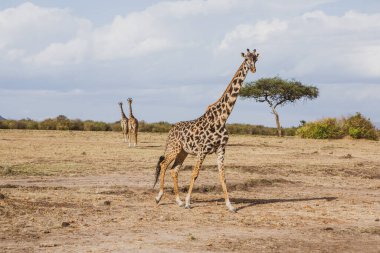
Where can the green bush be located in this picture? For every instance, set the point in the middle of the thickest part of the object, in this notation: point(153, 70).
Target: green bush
point(76, 124)
point(359, 127)
point(236, 128)
point(159, 127)
point(328, 128)
point(116, 127)
point(90, 125)
point(30, 124)
point(48, 124)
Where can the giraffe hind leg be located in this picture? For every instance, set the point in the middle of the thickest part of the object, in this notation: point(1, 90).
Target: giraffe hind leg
point(129, 138)
point(174, 172)
point(163, 166)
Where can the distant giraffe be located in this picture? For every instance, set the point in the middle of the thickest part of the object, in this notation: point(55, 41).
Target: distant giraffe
point(123, 123)
point(133, 124)
point(203, 136)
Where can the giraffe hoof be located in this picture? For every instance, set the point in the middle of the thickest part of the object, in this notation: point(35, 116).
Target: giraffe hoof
point(187, 206)
point(232, 209)
point(180, 204)
point(157, 200)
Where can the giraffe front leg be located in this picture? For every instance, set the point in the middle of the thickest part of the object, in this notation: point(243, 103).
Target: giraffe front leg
point(174, 172)
point(220, 161)
point(194, 176)
point(135, 139)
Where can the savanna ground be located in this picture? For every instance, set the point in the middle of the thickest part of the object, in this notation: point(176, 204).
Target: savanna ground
point(88, 192)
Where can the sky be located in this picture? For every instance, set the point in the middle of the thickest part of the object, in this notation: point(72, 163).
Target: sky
point(174, 58)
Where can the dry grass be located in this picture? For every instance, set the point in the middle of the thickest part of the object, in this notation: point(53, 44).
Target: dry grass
point(89, 192)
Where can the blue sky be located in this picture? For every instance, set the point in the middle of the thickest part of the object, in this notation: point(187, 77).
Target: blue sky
point(79, 58)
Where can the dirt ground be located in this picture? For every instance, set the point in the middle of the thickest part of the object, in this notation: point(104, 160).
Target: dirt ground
point(89, 192)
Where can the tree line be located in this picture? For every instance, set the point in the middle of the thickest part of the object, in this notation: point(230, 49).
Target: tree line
point(61, 122)
point(356, 126)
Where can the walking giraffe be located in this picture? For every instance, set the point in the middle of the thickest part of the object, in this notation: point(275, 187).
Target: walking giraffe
point(123, 122)
point(203, 136)
point(133, 124)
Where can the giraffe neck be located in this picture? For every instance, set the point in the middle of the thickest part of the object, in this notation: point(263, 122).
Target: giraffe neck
point(222, 108)
point(122, 112)
point(130, 110)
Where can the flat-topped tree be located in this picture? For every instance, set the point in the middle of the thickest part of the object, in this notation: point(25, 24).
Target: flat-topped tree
point(276, 91)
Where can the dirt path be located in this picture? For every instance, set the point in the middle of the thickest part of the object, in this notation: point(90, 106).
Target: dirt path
point(90, 193)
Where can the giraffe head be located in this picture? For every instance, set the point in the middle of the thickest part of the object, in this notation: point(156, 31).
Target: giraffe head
point(121, 103)
point(129, 100)
point(251, 59)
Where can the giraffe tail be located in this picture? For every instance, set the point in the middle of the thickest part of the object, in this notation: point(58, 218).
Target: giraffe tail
point(158, 169)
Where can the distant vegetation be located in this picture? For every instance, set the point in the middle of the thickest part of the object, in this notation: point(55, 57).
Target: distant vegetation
point(356, 126)
point(63, 123)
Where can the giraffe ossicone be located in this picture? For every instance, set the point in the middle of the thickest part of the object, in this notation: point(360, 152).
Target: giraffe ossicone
point(204, 135)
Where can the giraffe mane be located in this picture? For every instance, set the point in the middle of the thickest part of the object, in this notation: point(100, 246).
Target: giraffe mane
point(224, 93)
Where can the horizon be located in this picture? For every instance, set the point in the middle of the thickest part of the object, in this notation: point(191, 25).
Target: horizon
point(376, 124)
point(176, 57)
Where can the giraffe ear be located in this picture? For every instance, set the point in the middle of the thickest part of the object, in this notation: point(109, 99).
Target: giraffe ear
point(242, 55)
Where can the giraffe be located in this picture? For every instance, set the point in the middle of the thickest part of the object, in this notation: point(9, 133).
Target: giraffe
point(202, 136)
point(123, 122)
point(133, 124)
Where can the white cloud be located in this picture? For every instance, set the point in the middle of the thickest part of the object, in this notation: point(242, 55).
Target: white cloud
point(260, 32)
point(136, 34)
point(32, 28)
point(314, 44)
point(56, 54)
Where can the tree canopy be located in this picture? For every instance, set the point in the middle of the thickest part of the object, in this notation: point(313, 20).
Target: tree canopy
point(277, 91)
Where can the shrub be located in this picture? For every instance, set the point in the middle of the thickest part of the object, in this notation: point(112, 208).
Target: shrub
point(30, 124)
point(116, 126)
point(90, 125)
point(48, 124)
point(63, 123)
point(76, 124)
point(291, 131)
point(359, 127)
point(159, 127)
point(328, 128)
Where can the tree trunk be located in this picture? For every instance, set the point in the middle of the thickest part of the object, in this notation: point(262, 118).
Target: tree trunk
point(277, 122)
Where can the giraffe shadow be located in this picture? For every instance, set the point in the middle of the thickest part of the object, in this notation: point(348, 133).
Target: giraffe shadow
point(247, 202)
point(150, 146)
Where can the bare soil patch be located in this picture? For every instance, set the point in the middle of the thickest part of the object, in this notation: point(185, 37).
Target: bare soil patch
point(89, 192)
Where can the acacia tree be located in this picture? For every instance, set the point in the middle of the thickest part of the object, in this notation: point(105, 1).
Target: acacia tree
point(276, 91)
